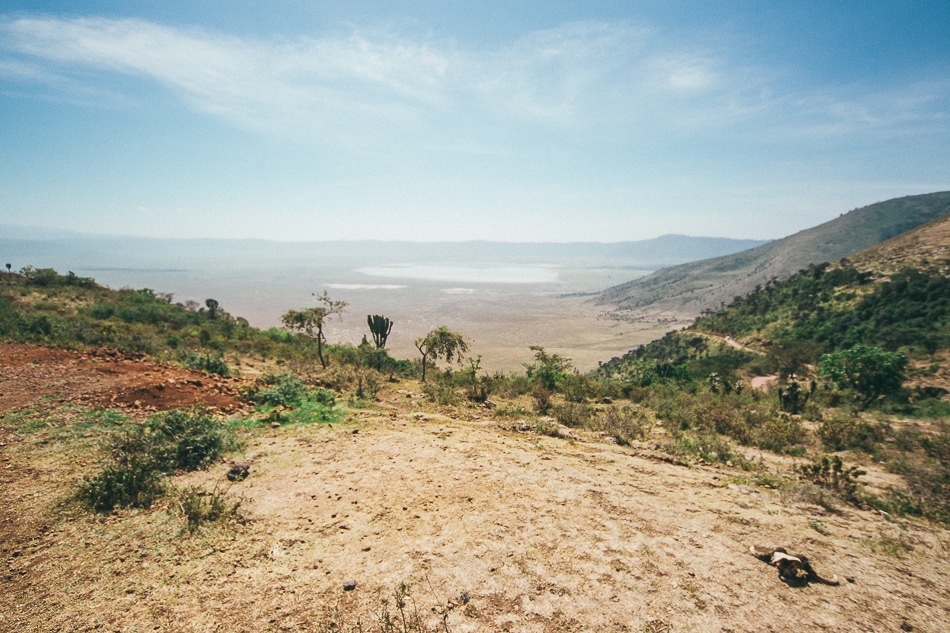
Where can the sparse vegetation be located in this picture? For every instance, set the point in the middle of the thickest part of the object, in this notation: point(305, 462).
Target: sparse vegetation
point(679, 409)
point(137, 459)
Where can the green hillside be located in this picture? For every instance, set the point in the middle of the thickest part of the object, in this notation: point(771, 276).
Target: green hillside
point(689, 289)
point(69, 311)
point(894, 296)
point(856, 352)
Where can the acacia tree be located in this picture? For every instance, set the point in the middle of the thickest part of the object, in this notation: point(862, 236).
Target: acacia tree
point(310, 321)
point(441, 343)
point(870, 371)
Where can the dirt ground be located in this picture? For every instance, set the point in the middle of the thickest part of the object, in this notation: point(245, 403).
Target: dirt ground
point(104, 378)
point(493, 529)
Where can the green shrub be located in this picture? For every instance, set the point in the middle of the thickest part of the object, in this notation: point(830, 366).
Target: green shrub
point(573, 414)
point(138, 457)
point(624, 424)
point(319, 406)
point(441, 393)
point(830, 472)
point(185, 439)
point(200, 507)
point(708, 446)
point(841, 432)
point(279, 390)
point(211, 364)
point(779, 433)
point(129, 481)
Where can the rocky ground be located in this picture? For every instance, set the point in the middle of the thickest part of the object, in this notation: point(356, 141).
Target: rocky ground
point(490, 527)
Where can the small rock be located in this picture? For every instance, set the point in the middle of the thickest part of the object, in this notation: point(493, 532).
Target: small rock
point(275, 425)
point(906, 626)
point(355, 431)
point(465, 597)
point(238, 471)
point(349, 585)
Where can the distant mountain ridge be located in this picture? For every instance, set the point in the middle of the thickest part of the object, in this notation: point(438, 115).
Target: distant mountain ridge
point(32, 245)
point(686, 290)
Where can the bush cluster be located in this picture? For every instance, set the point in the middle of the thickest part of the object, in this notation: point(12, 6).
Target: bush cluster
point(138, 459)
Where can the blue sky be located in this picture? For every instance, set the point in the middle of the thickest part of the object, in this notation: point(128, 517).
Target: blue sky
point(531, 121)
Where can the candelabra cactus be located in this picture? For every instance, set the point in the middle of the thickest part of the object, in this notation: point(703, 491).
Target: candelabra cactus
point(380, 326)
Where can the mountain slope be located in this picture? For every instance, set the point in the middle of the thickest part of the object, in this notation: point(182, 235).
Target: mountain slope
point(895, 295)
point(688, 289)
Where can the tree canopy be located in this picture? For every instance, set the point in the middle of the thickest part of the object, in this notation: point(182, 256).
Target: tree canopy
point(869, 371)
point(310, 321)
point(441, 343)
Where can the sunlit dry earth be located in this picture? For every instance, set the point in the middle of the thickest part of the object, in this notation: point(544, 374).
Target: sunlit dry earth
point(493, 529)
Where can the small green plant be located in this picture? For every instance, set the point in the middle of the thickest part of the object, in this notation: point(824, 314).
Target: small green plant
point(625, 424)
point(208, 363)
point(127, 481)
point(200, 507)
point(709, 447)
point(139, 457)
point(830, 473)
point(477, 387)
point(441, 393)
point(547, 426)
point(367, 387)
point(573, 414)
point(319, 407)
point(549, 369)
point(793, 396)
point(840, 432)
point(278, 390)
point(779, 433)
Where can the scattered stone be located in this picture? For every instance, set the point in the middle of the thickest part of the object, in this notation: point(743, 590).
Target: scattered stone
point(349, 585)
point(465, 597)
point(275, 425)
point(239, 471)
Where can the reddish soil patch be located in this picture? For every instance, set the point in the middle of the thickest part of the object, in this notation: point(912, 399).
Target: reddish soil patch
point(30, 373)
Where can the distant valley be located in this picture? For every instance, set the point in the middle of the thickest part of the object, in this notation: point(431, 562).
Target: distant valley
point(504, 296)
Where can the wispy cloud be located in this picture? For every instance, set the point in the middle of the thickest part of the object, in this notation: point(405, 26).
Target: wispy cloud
point(616, 78)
